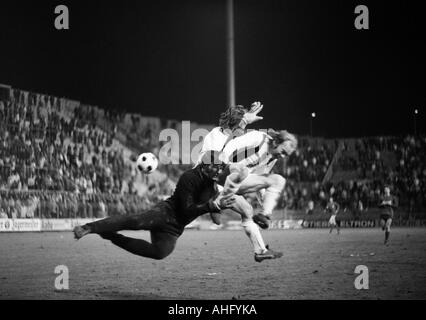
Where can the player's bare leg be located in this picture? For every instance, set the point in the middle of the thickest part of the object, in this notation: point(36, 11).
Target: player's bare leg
point(261, 252)
point(383, 224)
point(241, 206)
point(245, 210)
point(387, 230)
point(273, 185)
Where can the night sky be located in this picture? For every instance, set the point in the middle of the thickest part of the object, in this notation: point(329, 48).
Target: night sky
point(168, 59)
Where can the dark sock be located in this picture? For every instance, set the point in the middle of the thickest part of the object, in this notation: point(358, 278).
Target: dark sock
point(387, 233)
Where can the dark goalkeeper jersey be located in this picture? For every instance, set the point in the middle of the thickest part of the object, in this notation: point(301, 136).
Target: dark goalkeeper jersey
point(192, 196)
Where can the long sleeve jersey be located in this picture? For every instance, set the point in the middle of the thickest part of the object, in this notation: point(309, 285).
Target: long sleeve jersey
point(215, 140)
point(193, 196)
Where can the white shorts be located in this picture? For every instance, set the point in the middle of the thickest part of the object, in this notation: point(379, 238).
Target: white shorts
point(332, 220)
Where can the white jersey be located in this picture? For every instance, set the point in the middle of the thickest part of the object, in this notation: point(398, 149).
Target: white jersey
point(215, 140)
point(249, 149)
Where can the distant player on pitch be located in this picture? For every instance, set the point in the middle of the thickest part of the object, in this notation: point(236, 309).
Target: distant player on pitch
point(387, 204)
point(333, 208)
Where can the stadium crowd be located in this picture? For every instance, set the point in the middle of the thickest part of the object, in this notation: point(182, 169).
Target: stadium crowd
point(42, 149)
point(52, 205)
point(60, 160)
point(310, 162)
point(379, 161)
point(53, 156)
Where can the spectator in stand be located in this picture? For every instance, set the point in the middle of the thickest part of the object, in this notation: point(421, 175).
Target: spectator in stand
point(102, 209)
point(89, 207)
point(18, 208)
point(120, 209)
point(4, 203)
point(60, 204)
point(310, 207)
point(74, 207)
point(3, 214)
point(11, 206)
point(82, 206)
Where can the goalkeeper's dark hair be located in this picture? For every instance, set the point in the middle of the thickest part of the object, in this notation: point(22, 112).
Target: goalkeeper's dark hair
point(211, 157)
point(232, 117)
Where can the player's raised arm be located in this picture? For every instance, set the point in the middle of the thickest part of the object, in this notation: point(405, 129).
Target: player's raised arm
point(252, 115)
point(191, 208)
point(187, 192)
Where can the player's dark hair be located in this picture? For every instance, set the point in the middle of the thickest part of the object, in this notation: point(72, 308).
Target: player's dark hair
point(232, 117)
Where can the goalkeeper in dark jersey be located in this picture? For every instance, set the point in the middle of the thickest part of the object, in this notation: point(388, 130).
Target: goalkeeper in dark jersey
point(195, 194)
point(387, 204)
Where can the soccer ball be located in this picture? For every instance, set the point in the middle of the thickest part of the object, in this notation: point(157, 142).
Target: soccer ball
point(147, 162)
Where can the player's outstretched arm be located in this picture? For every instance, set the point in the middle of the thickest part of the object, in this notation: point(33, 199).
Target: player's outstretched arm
point(185, 191)
point(222, 203)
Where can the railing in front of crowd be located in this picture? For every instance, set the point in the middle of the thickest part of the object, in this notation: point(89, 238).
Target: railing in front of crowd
point(50, 204)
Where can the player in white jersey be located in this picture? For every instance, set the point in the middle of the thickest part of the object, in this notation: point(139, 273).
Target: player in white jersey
point(259, 151)
point(262, 153)
point(232, 125)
